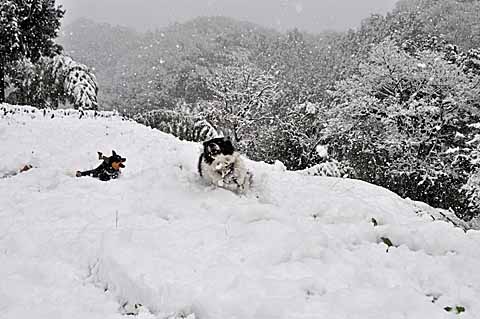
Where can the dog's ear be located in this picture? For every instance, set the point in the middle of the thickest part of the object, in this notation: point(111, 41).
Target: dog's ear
point(113, 153)
point(211, 147)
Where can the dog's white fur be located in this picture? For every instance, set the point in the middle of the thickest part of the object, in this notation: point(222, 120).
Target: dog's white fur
point(229, 172)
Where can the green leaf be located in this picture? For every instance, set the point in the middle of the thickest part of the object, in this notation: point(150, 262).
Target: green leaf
point(387, 241)
point(460, 309)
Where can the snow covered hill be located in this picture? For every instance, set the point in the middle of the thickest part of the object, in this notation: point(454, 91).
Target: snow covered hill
point(158, 243)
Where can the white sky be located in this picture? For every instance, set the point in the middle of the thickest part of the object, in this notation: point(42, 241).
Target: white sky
point(309, 15)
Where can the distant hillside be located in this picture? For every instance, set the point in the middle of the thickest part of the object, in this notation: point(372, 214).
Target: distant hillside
point(126, 61)
point(100, 46)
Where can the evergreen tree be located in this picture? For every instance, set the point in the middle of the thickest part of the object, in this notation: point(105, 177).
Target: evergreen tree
point(51, 81)
point(27, 30)
point(76, 82)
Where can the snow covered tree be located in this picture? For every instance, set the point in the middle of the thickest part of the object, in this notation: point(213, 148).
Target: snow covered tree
point(243, 97)
point(77, 81)
point(290, 134)
point(51, 81)
point(457, 21)
point(28, 81)
point(26, 31)
point(404, 123)
point(469, 61)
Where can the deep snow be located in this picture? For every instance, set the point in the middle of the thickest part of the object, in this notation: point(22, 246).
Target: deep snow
point(296, 247)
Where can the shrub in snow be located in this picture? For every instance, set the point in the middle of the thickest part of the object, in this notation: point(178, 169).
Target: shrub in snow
point(322, 169)
point(205, 131)
point(184, 126)
point(472, 191)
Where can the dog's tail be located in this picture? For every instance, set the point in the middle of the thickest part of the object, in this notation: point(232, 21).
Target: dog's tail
point(70, 173)
point(101, 156)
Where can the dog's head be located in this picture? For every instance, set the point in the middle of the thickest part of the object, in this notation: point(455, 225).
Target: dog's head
point(217, 146)
point(223, 164)
point(115, 161)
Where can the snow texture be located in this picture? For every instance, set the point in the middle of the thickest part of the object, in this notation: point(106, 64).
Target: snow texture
point(159, 243)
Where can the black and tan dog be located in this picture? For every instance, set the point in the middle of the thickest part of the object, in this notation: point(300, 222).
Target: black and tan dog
point(109, 169)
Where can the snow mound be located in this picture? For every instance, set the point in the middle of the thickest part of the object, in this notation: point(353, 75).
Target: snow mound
point(158, 243)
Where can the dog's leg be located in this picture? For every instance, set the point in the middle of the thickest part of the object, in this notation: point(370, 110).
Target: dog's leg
point(199, 165)
point(209, 174)
point(85, 173)
point(94, 172)
point(242, 175)
point(104, 177)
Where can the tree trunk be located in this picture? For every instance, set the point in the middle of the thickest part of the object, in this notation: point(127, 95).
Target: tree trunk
point(2, 81)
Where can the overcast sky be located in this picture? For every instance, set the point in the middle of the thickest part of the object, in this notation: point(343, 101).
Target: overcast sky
point(308, 15)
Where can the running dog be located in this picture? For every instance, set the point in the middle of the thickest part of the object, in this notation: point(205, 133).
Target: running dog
point(222, 166)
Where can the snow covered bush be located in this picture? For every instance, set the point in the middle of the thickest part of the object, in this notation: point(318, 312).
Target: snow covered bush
point(469, 61)
point(472, 191)
point(180, 124)
point(323, 169)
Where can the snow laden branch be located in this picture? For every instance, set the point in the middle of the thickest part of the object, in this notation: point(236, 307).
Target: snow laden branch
point(79, 83)
point(183, 125)
point(243, 96)
point(53, 81)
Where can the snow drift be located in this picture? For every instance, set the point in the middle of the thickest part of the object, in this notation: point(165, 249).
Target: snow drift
point(158, 243)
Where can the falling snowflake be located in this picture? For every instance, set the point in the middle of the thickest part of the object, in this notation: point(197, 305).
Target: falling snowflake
point(299, 7)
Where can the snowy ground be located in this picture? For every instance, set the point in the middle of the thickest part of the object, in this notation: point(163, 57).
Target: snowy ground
point(297, 247)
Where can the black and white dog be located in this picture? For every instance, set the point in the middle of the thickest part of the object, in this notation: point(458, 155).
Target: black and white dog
point(222, 166)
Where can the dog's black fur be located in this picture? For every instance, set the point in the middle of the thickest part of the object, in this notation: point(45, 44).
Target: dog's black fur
point(213, 147)
point(105, 171)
